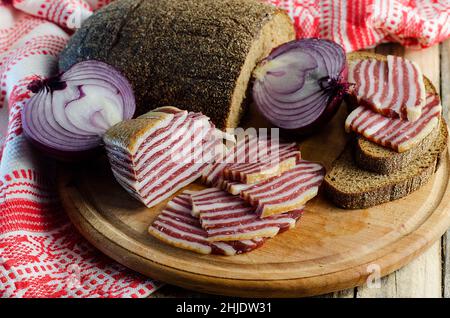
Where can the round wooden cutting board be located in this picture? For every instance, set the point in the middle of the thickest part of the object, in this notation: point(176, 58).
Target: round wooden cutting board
point(330, 249)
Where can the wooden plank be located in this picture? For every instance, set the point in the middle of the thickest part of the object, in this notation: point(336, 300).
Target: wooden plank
point(346, 293)
point(423, 276)
point(446, 265)
point(329, 251)
point(429, 62)
point(351, 292)
point(445, 76)
point(445, 93)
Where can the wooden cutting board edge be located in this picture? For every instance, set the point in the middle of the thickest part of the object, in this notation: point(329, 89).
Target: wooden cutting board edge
point(401, 253)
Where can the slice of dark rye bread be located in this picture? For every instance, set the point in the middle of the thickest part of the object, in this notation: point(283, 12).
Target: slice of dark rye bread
point(351, 187)
point(376, 158)
point(372, 157)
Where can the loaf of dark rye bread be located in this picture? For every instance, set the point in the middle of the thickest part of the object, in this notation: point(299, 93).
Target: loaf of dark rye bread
point(379, 159)
point(351, 187)
point(197, 55)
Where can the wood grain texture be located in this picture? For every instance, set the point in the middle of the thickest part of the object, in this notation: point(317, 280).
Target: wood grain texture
point(445, 93)
point(351, 292)
point(423, 276)
point(446, 265)
point(419, 279)
point(411, 280)
point(331, 249)
point(399, 283)
point(445, 76)
point(346, 293)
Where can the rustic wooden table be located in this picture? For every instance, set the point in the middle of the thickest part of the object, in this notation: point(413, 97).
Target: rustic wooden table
point(429, 274)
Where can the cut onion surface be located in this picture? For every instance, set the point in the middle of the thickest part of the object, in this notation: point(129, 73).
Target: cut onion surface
point(69, 113)
point(301, 84)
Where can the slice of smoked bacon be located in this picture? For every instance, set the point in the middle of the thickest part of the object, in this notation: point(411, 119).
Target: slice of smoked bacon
point(177, 227)
point(159, 153)
point(393, 88)
point(227, 218)
point(301, 182)
point(399, 135)
point(214, 172)
point(253, 159)
point(278, 160)
point(287, 192)
point(233, 187)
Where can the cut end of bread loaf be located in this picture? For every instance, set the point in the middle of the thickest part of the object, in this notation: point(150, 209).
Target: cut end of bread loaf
point(278, 30)
point(351, 187)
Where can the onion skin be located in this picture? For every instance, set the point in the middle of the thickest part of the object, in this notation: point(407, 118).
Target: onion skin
point(302, 107)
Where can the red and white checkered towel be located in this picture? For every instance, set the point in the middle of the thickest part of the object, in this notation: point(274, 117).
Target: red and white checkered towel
point(41, 255)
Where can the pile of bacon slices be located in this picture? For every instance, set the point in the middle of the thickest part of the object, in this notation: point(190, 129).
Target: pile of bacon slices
point(394, 110)
point(257, 191)
point(258, 186)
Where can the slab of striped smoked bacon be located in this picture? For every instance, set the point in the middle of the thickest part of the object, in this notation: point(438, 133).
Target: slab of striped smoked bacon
point(177, 227)
point(160, 152)
point(227, 217)
point(393, 88)
point(399, 135)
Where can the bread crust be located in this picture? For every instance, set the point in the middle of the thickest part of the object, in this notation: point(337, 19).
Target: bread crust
point(387, 161)
point(387, 189)
point(373, 157)
point(186, 53)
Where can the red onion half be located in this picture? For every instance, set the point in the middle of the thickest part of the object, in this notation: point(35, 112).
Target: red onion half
point(301, 84)
point(69, 113)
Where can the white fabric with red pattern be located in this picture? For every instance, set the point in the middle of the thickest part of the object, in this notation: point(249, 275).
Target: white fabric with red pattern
point(41, 254)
